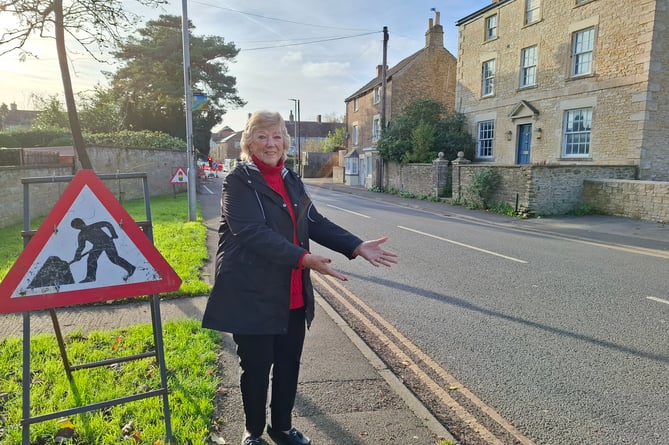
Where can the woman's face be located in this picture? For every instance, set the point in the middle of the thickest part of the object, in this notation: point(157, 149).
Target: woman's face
point(267, 145)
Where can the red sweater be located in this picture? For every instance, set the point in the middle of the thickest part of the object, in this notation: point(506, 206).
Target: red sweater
point(273, 177)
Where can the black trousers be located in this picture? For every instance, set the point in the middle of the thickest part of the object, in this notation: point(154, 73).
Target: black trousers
point(279, 354)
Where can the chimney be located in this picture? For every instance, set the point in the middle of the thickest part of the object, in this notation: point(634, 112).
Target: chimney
point(434, 37)
point(13, 106)
point(379, 70)
point(318, 118)
point(291, 118)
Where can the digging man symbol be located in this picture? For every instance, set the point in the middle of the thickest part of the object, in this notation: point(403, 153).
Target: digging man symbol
point(102, 242)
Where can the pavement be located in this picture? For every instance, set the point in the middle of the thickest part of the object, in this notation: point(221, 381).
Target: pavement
point(346, 394)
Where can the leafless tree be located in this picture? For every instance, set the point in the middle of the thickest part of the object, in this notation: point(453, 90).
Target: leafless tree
point(96, 25)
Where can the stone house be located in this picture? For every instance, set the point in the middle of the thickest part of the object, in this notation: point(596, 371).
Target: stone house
point(567, 82)
point(428, 73)
point(16, 119)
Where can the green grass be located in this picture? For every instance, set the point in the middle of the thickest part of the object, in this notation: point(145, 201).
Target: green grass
point(190, 354)
point(181, 242)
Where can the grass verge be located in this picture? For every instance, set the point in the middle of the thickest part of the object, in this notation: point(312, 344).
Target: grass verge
point(190, 354)
point(181, 242)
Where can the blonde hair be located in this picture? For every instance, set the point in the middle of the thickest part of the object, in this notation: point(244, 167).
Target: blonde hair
point(262, 120)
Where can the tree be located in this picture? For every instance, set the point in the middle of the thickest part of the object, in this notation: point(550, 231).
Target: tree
point(50, 113)
point(424, 129)
point(151, 89)
point(335, 141)
point(4, 111)
point(88, 22)
point(100, 111)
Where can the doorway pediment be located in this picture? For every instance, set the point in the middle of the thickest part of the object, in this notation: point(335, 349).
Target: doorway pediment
point(524, 109)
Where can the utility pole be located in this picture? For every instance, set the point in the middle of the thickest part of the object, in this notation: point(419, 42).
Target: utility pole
point(190, 152)
point(384, 86)
point(297, 134)
point(299, 153)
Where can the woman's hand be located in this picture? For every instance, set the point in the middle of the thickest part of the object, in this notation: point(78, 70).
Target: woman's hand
point(321, 264)
point(372, 252)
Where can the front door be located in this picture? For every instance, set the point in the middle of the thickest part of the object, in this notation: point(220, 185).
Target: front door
point(524, 142)
point(362, 171)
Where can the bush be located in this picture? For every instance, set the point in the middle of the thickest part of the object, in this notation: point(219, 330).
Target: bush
point(481, 188)
point(8, 141)
point(121, 139)
point(10, 156)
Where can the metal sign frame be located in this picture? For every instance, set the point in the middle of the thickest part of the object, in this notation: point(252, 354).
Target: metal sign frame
point(154, 300)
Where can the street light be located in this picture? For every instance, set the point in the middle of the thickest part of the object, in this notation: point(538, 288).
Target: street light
point(297, 132)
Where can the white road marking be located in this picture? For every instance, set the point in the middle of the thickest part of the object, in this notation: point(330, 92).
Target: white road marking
point(659, 300)
point(207, 189)
point(349, 211)
point(464, 245)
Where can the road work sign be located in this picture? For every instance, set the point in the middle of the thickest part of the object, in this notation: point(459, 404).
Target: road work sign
point(88, 249)
point(179, 177)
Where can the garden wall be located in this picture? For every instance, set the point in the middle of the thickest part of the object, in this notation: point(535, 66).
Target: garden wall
point(647, 200)
point(540, 189)
point(159, 165)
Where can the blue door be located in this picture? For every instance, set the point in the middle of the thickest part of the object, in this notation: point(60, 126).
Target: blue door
point(524, 141)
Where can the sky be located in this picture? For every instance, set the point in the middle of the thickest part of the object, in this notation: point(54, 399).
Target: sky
point(318, 52)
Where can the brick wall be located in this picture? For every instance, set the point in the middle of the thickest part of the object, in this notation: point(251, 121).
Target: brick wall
point(160, 166)
point(647, 200)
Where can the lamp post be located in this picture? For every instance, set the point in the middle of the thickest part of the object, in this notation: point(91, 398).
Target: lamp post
point(297, 133)
point(190, 152)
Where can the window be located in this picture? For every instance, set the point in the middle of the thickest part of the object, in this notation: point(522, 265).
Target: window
point(376, 129)
point(581, 54)
point(528, 66)
point(488, 78)
point(377, 95)
point(491, 27)
point(352, 165)
point(368, 165)
point(486, 134)
point(355, 104)
point(532, 11)
point(577, 126)
point(355, 135)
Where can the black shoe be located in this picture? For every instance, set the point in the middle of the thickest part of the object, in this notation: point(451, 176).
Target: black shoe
point(292, 437)
point(248, 440)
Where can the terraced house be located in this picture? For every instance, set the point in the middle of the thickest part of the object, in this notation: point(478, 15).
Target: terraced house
point(568, 82)
point(427, 73)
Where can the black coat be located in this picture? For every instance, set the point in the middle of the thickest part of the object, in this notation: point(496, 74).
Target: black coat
point(256, 253)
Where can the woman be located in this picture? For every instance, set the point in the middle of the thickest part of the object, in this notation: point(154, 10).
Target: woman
point(262, 292)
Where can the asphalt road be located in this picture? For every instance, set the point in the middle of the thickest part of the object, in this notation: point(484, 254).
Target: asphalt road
point(560, 329)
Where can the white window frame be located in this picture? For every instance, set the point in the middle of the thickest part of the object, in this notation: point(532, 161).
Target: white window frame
point(376, 128)
point(356, 106)
point(355, 134)
point(352, 166)
point(368, 166)
point(582, 52)
point(485, 139)
point(528, 66)
point(532, 11)
point(377, 95)
point(488, 78)
point(490, 27)
point(576, 136)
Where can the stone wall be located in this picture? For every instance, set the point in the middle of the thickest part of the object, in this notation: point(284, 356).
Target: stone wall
point(626, 91)
point(319, 164)
point(159, 165)
point(416, 179)
point(647, 200)
point(540, 190)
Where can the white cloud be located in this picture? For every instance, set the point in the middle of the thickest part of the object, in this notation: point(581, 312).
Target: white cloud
point(292, 57)
point(327, 69)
